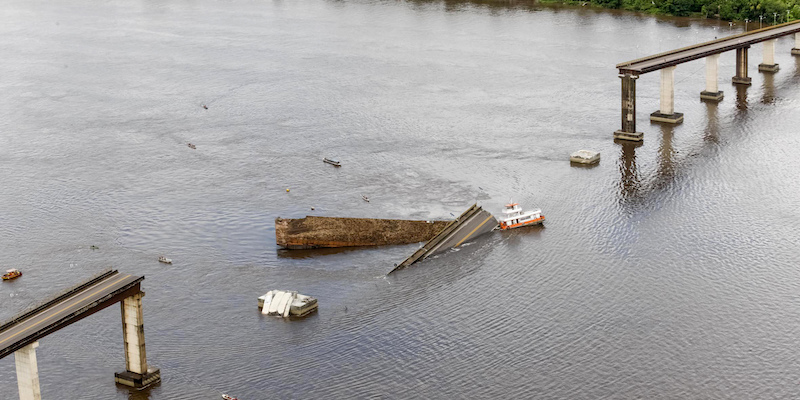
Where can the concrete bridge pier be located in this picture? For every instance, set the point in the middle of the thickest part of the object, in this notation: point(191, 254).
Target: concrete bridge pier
point(667, 111)
point(712, 92)
point(28, 373)
point(796, 49)
point(628, 130)
point(741, 77)
point(137, 374)
point(769, 57)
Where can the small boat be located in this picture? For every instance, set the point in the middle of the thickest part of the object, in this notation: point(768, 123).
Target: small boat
point(191, 146)
point(12, 274)
point(284, 303)
point(164, 260)
point(332, 162)
point(514, 217)
point(585, 157)
point(226, 397)
point(365, 198)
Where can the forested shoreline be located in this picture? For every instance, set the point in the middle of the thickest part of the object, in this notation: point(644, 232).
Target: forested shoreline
point(764, 11)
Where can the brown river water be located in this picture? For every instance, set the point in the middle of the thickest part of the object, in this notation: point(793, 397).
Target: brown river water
point(669, 271)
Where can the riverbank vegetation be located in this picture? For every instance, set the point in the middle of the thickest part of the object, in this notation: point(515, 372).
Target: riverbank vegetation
point(764, 11)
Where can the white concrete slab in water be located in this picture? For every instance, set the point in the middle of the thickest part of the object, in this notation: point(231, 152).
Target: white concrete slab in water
point(267, 301)
point(273, 305)
point(585, 157)
point(285, 301)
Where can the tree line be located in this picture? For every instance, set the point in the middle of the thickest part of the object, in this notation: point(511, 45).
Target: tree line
point(766, 11)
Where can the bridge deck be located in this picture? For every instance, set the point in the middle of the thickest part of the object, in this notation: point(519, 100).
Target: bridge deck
point(701, 50)
point(472, 223)
point(65, 310)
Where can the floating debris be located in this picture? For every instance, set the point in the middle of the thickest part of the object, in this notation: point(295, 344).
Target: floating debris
point(93, 247)
point(287, 190)
point(285, 303)
point(585, 157)
point(164, 260)
point(204, 106)
point(191, 146)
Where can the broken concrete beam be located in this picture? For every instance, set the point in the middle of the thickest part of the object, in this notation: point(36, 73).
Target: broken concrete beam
point(316, 232)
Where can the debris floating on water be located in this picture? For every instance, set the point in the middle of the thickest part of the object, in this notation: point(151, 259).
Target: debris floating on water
point(284, 303)
point(585, 157)
point(93, 247)
point(164, 260)
point(191, 146)
point(204, 106)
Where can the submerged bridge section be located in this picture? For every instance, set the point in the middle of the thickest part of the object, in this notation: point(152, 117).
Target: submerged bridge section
point(666, 63)
point(472, 223)
point(21, 334)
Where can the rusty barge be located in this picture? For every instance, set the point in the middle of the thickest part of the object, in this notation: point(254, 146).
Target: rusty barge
point(318, 232)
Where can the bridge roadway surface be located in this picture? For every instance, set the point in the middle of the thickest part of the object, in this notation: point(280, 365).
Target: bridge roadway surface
point(70, 307)
point(471, 224)
point(702, 50)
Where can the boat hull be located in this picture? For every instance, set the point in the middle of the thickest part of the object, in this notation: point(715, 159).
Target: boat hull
point(8, 277)
point(537, 221)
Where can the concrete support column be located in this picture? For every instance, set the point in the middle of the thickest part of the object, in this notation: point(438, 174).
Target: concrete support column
point(137, 373)
point(741, 77)
point(628, 129)
point(28, 373)
point(769, 57)
point(712, 92)
point(667, 111)
point(796, 49)
point(133, 331)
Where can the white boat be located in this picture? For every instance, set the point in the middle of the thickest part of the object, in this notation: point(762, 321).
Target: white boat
point(514, 217)
point(164, 260)
point(585, 157)
point(285, 303)
point(365, 198)
point(225, 396)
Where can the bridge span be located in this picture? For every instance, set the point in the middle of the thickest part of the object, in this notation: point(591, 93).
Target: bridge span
point(666, 62)
point(21, 334)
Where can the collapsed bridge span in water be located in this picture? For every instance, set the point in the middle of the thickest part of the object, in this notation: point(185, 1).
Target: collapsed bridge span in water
point(472, 223)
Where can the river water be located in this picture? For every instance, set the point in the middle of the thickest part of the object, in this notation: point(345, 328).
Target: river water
point(668, 271)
